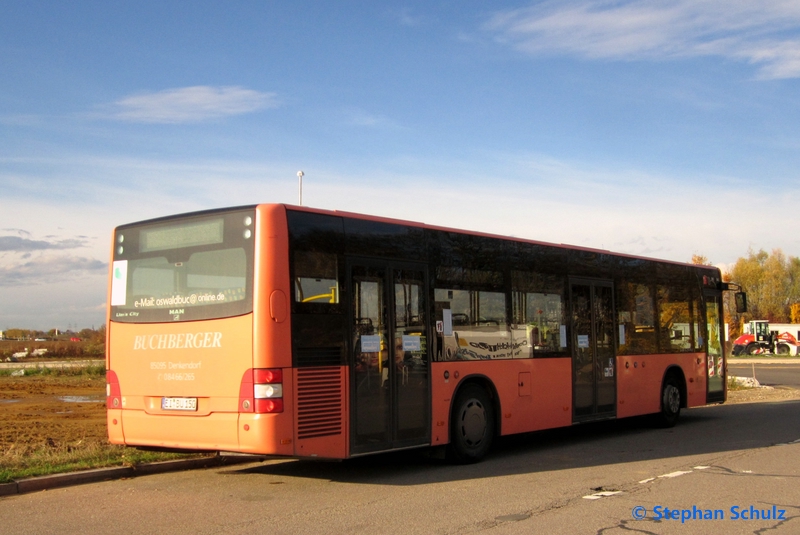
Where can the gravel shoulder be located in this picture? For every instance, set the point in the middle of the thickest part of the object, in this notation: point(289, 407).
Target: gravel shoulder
point(764, 393)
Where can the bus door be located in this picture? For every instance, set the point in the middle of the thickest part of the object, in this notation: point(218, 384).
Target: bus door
point(594, 383)
point(715, 361)
point(389, 361)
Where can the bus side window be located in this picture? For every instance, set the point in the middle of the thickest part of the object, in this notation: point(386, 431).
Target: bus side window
point(315, 279)
point(477, 329)
point(636, 316)
point(538, 313)
point(679, 320)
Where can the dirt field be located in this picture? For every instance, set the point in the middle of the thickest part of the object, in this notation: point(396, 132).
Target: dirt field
point(55, 411)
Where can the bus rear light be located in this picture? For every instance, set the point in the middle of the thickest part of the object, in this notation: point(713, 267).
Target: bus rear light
point(113, 393)
point(265, 376)
point(269, 405)
point(261, 391)
point(268, 391)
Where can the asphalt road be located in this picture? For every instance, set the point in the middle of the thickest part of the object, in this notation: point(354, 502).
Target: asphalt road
point(771, 373)
point(588, 479)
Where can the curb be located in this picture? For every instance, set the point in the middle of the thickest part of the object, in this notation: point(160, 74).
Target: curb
point(55, 481)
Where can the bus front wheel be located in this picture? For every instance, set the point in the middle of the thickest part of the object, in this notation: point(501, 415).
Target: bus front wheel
point(471, 425)
point(670, 403)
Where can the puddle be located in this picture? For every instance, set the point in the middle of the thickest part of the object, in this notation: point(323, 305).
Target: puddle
point(80, 399)
point(9, 401)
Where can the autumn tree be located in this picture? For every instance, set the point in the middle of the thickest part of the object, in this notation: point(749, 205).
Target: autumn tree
point(794, 313)
point(772, 283)
point(733, 317)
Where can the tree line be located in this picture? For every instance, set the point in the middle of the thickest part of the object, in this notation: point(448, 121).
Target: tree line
point(55, 344)
point(89, 335)
point(772, 283)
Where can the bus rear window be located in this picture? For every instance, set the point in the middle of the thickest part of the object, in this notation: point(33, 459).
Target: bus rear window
point(315, 278)
point(201, 268)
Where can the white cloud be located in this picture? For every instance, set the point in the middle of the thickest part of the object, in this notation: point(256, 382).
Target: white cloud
point(361, 118)
point(406, 18)
point(191, 104)
point(46, 269)
point(761, 33)
point(78, 304)
point(16, 243)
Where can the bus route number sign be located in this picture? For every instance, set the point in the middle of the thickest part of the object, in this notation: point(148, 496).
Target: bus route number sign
point(179, 404)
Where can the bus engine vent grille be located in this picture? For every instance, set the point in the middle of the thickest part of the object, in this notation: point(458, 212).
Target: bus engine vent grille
point(320, 402)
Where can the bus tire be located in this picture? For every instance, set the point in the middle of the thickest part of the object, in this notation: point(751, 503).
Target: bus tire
point(472, 425)
point(670, 402)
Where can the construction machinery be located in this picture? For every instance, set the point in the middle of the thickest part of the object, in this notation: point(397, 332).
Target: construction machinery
point(760, 339)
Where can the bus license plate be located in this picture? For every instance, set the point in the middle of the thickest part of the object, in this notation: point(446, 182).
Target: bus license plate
point(179, 404)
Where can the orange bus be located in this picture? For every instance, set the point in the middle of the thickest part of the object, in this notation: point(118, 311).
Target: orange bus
point(290, 331)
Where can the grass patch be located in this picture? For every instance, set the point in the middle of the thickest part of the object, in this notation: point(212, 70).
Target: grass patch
point(89, 371)
point(22, 463)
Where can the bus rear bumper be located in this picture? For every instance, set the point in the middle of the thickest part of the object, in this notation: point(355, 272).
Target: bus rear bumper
point(263, 434)
point(216, 431)
point(114, 425)
point(266, 434)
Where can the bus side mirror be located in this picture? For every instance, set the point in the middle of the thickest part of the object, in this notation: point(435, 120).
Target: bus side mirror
point(741, 302)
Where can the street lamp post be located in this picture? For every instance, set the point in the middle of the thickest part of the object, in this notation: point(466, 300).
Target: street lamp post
point(300, 177)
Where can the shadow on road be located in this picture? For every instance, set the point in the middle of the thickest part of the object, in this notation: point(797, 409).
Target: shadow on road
point(706, 430)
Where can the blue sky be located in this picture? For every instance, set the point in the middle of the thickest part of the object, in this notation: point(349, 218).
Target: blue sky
point(654, 128)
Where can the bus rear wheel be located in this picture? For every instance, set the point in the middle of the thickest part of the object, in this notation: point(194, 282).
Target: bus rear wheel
point(471, 425)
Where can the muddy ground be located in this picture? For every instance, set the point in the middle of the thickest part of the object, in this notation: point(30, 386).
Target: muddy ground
point(54, 411)
point(64, 411)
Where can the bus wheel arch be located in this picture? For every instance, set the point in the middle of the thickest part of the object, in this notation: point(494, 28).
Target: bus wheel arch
point(474, 420)
point(673, 397)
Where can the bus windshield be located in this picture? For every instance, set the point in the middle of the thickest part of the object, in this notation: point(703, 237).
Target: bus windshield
point(184, 268)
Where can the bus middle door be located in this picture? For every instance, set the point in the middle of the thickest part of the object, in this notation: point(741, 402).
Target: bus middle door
point(594, 381)
point(389, 361)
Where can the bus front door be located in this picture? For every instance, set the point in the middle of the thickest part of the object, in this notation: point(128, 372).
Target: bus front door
point(389, 359)
point(593, 350)
point(716, 361)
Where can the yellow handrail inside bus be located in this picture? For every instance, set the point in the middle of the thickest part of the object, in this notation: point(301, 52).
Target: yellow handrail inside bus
point(330, 296)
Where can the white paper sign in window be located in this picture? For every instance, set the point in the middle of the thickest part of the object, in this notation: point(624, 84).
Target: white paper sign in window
point(119, 283)
point(412, 343)
point(447, 317)
point(583, 341)
point(370, 343)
